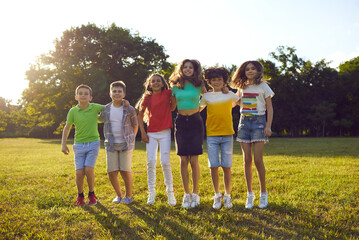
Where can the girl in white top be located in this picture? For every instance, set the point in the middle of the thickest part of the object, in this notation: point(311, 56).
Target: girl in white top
point(254, 126)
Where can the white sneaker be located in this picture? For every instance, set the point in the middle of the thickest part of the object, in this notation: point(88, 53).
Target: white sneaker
point(250, 200)
point(186, 203)
point(151, 198)
point(217, 201)
point(195, 200)
point(117, 199)
point(227, 201)
point(171, 199)
point(263, 200)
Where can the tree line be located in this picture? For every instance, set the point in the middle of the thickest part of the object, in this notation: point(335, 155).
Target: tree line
point(312, 99)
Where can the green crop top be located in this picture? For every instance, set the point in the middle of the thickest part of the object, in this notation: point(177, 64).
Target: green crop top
point(187, 98)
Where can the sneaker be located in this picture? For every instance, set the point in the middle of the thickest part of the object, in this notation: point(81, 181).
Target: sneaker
point(263, 200)
point(186, 203)
point(151, 198)
point(227, 201)
point(92, 200)
point(117, 199)
point(217, 201)
point(195, 200)
point(250, 200)
point(171, 199)
point(80, 201)
point(127, 200)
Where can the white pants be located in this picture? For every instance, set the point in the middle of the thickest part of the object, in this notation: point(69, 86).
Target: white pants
point(163, 139)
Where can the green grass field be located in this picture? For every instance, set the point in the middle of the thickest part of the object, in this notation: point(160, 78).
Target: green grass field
point(312, 184)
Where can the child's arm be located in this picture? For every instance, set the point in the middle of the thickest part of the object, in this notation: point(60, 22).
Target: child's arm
point(267, 130)
point(65, 134)
point(239, 100)
point(173, 103)
point(144, 136)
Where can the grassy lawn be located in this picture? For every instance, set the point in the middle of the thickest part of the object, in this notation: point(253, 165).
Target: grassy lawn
point(312, 184)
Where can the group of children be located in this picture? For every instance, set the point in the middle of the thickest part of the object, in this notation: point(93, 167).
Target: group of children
point(121, 122)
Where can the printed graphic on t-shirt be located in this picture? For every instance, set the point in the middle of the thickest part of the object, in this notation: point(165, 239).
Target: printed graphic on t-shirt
point(250, 104)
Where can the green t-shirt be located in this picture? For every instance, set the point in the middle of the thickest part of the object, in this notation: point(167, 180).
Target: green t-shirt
point(85, 122)
point(187, 98)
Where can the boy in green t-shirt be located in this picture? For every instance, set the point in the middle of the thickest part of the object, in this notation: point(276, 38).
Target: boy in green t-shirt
point(87, 141)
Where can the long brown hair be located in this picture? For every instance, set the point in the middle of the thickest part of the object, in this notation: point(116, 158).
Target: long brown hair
point(239, 79)
point(178, 78)
point(148, 92)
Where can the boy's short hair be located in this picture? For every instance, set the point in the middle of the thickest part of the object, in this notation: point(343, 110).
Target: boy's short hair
point(83, 86)
point(118, 84)
point(214, 72)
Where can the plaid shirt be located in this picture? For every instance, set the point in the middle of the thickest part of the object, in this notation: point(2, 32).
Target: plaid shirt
point(129, 120)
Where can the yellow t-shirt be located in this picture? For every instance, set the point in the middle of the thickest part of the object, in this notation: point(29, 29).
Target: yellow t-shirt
point(219, 112)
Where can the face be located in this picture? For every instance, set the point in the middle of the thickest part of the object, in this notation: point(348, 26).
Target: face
point(251, 72)
point(83, 95)
point(188, 69)
point(217, 83)
point(156, 84)
point(117, 94)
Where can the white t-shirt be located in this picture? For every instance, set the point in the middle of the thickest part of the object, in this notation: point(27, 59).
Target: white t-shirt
point(253, 99)
point(116, 114)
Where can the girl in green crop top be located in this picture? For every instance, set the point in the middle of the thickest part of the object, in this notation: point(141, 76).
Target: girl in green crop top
point(187, 87)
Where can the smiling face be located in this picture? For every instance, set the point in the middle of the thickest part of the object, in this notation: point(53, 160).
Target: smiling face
point(156, 84)
point(83, 95)
point(117, 94)
point(251, 72)
point(188, 69)
point(217, 83)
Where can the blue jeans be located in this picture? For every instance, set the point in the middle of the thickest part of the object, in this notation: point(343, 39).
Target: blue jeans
point(214, 145)
point(251, 129)
point(86, 154)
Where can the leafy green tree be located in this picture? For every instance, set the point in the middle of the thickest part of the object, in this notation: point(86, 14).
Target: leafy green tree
point(348, 90)
point(90, 55)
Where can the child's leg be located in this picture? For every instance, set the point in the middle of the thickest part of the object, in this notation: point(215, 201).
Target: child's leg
point(227, 178)
point(185, 173)
point(215, 179)
point(151, 149)
point(90, 175)
point(113, 176)
point(125, 171)
point(165, 150)
point(127, 178)
point(195, 172)
point(227, 161)
point(80, 176)
point(247, 159)
point(258, 148)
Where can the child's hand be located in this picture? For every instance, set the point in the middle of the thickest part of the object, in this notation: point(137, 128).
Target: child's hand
point(225, 90)
point(65, 149)
point(267, 132)
point(144, 138)
point(125, 103)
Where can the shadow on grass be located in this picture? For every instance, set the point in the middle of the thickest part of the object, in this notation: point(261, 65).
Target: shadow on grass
point(118, 228)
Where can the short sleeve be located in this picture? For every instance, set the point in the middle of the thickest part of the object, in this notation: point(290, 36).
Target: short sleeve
point(268, 92)
point(70, 117)
point(98, 107)
point(174, 90)
point(144, 103)
point(234, 96)
point(203, 101)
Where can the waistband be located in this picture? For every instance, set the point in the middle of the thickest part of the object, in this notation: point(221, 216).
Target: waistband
point(253, 116)
point(197, 114)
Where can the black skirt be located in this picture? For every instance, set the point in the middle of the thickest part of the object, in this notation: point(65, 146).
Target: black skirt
point(189, 134)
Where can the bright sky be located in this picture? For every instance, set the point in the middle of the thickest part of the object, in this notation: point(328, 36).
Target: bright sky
point(213, 31)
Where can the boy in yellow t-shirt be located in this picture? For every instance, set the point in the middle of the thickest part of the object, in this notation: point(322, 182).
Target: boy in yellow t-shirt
point(220, 131)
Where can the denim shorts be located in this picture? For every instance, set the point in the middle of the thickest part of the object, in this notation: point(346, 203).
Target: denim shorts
point(223, 144)
point(86, 154)
point(251, 129)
